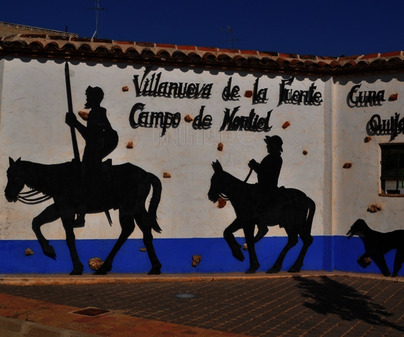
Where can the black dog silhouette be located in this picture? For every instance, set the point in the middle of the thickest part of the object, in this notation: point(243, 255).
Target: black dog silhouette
point(377, 244)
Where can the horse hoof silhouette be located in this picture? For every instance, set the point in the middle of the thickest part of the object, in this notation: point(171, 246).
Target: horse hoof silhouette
point(252, 269)
point(104, 269)
point(50, 252)
point(238, 254)
point(77, 272)
point(294, 269)
point(155, 271)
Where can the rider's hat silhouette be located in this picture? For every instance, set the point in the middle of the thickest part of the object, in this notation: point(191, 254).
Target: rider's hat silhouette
point(275, 142)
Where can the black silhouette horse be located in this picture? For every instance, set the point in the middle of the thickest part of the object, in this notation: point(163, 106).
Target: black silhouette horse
point(295, 213)
point(126, 188)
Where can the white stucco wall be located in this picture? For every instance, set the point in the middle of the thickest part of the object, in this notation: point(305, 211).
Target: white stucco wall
point(33, 106)
point(358, 187)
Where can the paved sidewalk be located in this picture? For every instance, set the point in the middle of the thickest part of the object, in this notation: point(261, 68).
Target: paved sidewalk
point(228, 305)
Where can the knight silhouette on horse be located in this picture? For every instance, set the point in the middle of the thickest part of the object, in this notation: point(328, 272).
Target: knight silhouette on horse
point(101, 139)
point(89, 187)
point(264, 204)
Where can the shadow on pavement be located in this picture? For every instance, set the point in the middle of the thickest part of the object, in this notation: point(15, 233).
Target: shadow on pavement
point(327, 296)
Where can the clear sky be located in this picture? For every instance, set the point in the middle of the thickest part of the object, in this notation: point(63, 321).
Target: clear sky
point(310, 27)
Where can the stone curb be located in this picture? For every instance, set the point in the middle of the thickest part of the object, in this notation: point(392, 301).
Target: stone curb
point(63, 279)
point(12, 327)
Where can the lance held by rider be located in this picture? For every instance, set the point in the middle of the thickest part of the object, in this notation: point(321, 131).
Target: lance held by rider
point(100, 140)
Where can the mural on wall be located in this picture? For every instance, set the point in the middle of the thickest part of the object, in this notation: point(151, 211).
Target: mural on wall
point(377, 244)
point(175, 122)
point(264, 204)
point(90, 186)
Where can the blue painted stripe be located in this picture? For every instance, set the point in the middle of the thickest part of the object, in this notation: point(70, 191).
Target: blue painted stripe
point(327, 253)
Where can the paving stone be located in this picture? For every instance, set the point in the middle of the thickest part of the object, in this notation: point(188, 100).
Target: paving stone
point(309, 305)
point(11, 325)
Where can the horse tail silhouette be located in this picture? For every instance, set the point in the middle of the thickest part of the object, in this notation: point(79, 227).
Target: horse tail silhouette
point(310, 215)
point(154, 202)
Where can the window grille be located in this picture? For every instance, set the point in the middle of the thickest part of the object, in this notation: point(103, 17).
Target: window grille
point(392, 168)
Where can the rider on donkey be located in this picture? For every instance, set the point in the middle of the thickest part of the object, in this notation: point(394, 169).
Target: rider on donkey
point(269, 169)
point(100, 139)
point(268, 174)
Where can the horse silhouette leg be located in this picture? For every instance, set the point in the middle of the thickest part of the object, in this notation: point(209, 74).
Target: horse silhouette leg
point(148, 242)
point(381, 263)
point(231, 240)
point(68, 223)
point(127, 225)
point(398, 261)
point(49, 214)
point(307, 241)
point(292, 241)
point(249, 237)
point(156, 265)
point(262, 231)
point(305, 233)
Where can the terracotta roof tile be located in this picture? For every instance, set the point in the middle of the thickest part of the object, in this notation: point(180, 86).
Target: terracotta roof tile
point(268, 53)
point(283, 55)
point(240, 60)
point(268, 62)
point(145, 44)
point(308, 57)
point(179, 55)
point(393, 53)
point(370, 56)
point(165, 45)
point(281, 61)
point(83, 49)
point(194, 57)
point(163, 54)
point(124, 42)
point(352, 57)
point(70, 47)
point(351, 63)
point(395, 60)
point(186, 47)
point(208, 57)
point(254, 60)
point(147, 54)
point(249, 52)
point(224, 58)
point(132, 54)
point(228, 51)
point(335, 64)
point(322, 64)
point(211, 49)
point(102, 40)
point(295, 63)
